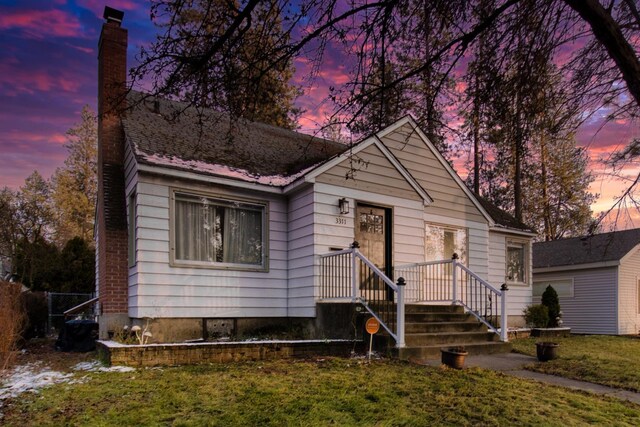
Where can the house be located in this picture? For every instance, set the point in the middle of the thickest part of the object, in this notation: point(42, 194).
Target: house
point(597, 279)
point(243, 224)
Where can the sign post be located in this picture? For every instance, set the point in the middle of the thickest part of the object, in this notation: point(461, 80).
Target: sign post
point(372, 326)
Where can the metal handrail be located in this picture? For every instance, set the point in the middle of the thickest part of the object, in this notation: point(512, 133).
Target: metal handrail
point(419, 275)
point(79, 307)
point(376, 270)
point(340, 278)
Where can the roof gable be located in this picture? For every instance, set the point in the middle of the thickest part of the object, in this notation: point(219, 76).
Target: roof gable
point(408, 143)
point(367, 148)
point(585, 250)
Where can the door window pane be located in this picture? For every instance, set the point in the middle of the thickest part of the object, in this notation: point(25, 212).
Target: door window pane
point(371, 223)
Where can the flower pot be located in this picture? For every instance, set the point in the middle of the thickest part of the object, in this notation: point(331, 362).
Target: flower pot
point(453, 358)
point(547, 351)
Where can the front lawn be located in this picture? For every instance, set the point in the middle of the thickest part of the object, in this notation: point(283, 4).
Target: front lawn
point(606, 360)
point(313, 392)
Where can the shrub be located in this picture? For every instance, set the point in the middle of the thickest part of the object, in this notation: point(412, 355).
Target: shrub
point(11, 321)
point(551, 301)
point(36, 310)
point(537, 316)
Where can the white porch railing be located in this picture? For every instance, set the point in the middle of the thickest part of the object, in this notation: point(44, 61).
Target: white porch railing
point(450, 281)
point(349, 275)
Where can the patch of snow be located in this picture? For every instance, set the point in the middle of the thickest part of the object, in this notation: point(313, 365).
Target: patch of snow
point(114, 344)
point(30, 378)
point(96, 366)
point(223, 170)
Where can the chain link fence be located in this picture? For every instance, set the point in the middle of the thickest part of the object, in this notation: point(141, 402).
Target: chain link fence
point(59, 302)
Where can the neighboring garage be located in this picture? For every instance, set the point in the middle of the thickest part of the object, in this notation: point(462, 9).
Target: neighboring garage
point(597, 279)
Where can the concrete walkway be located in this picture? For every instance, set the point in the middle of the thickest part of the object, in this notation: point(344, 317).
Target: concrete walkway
point(513, 364)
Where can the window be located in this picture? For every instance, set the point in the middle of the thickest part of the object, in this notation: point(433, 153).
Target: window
point(563, 287)
point(516, 271)
point(442, 242)
point(132, 212)
point(218, 232)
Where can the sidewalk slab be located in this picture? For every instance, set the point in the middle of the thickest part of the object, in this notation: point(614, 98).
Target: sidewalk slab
point(514, 364)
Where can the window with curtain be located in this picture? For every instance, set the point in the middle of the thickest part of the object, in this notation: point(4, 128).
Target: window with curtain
point(218, 231)
point(515, 262)
point(442, 242)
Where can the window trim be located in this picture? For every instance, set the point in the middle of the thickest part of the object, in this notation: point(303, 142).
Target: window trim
point(173, 262)
point(514, 243)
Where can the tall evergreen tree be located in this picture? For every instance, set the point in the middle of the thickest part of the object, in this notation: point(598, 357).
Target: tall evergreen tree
point(35, 217)
point(75, 183)
point(242, 79)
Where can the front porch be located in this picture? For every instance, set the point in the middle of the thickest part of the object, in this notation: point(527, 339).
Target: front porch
point(429, 306)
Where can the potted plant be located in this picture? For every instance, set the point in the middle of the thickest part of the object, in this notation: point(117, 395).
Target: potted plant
point(547, 350)
point(454, 356)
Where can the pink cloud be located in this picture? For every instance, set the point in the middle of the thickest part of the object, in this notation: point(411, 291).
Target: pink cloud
point(16, 81)
point(82, 49)
point(38, 24)
point(97, 6)
point(35, 137)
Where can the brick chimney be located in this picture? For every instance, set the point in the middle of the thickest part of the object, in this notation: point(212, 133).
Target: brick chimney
point(111, 230)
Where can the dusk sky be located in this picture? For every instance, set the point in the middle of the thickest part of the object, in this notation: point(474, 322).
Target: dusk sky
point(48, 72)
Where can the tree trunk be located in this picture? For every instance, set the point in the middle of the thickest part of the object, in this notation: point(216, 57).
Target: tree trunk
point(548, 232)
point(476, 148)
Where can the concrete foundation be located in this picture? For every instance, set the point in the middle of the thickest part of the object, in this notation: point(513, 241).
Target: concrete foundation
point(196, 353)
point(110, 322)
point(333, 321)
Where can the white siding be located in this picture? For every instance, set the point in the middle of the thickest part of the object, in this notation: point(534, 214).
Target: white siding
point(592, 310)
point(370, 171)
point(300, 297)
point(158, 289)
point(518, 295)
point(131, 183)
point(407, 222)
point(628, 317)
point(449, 200)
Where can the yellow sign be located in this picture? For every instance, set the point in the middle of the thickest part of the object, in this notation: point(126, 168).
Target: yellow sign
point(372, 326)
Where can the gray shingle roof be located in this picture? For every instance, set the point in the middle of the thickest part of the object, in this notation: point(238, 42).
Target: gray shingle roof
point(156, 133)
point(194, 140)
point(585, 250)
point(503, 218)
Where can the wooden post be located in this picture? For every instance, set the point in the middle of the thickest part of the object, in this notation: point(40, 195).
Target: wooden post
point(400, 313)
point(354, 275)
point(504, 331)
point(454, 277)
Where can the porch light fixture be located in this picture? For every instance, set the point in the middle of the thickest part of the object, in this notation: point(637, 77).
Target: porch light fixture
point(343, 205)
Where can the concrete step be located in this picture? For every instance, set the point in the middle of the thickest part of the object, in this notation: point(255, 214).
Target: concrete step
point(425, 327)
point(448, 338)
point(433, 351)
point(438, 317)
point(419, 308)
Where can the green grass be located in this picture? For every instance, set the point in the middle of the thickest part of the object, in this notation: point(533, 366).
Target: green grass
point(612, 361)
point(308, 393)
